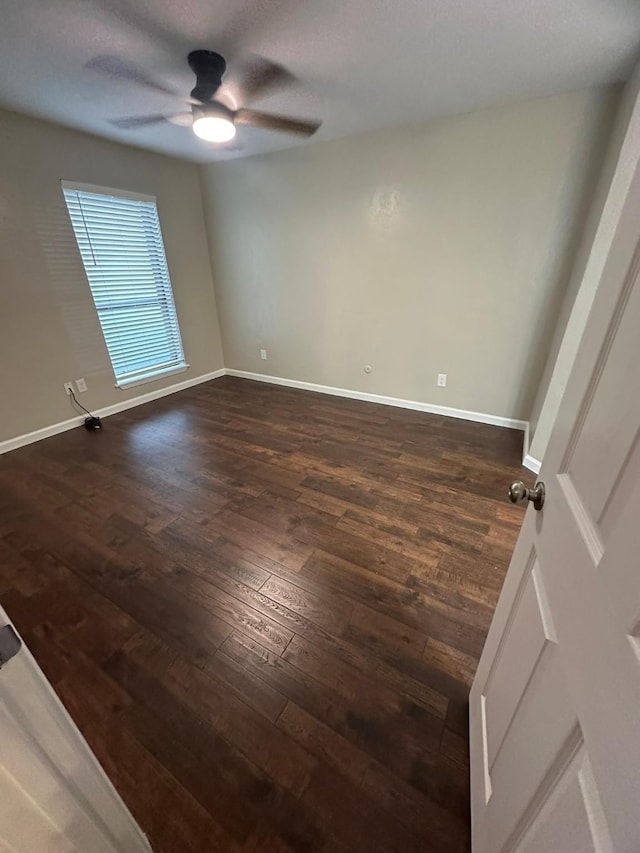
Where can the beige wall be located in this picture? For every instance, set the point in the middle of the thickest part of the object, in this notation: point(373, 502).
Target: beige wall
point(436, 248)
point(49, 332)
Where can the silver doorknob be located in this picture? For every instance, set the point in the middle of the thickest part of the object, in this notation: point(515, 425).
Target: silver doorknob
point(519, 493)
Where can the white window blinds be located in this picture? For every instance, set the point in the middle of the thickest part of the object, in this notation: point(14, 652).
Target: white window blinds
point(123, 254)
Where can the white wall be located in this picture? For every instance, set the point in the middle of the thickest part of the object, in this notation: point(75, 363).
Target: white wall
point(438, 247)
point(49, 331)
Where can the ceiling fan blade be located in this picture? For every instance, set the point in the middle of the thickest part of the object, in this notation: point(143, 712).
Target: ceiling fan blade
point(260, 77)
point(131, 122)
point(181, 119)
point(121, 69)
point(229, 146)
point(267, 121)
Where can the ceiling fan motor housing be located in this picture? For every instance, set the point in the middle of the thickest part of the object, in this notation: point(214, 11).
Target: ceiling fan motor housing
point(209, 68)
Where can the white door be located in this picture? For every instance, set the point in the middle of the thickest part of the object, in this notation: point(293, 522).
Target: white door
point(54, 796)
point(555, 705)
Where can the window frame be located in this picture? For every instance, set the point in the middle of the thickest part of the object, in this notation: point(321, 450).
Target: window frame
point(156, 372)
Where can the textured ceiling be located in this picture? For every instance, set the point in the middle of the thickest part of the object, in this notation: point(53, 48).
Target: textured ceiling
point(360, 64)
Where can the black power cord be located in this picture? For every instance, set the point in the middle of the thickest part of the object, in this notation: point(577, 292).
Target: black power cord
point(91, 422)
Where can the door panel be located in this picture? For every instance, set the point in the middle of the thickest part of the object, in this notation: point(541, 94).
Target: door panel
point(523, 644)
point(600, 443)
point(571, 819)
point(538, 730)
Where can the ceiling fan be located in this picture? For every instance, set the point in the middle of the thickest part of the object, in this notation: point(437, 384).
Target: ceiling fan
point(210, 118)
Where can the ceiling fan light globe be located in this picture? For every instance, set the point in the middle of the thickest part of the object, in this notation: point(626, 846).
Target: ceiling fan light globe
point(214, 128)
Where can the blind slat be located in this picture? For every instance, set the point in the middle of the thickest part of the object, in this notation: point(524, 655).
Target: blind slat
point(121, 246)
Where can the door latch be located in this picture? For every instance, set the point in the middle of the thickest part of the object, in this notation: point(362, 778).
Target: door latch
point(10, 643)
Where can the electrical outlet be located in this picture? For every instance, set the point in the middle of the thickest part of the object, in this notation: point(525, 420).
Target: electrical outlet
point(442, 380)
point(263, 354)
point(68, 388)
point(81, 385)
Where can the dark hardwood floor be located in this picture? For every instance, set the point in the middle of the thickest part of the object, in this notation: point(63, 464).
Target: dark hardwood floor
point(264, 608)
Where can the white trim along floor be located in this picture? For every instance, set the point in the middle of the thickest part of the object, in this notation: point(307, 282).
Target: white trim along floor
point(480, 417)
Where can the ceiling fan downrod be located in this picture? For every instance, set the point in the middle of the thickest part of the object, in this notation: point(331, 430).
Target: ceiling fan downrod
point(209, 68)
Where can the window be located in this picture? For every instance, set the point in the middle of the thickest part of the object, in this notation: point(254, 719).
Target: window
point(122, 251)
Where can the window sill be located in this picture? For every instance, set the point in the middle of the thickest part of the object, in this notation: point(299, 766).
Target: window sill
point(155, 376)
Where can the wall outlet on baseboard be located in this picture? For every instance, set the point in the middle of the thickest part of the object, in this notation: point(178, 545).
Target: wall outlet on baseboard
point(68, 388)
point(263, 354)
point(442, 380)
point(81, 385)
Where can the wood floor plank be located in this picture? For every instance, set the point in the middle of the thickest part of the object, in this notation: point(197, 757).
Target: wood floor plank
point(452, 661)
point(372, 729)
point(216, 774)
point(354, 817)
point(171, 816)
point(249, 533)
point(264, 608)
point(234, 611)
point(247, 686)
point(331, 612)
point(419, 814)
point(397, 600)
point(376, 630)
point(144, 659)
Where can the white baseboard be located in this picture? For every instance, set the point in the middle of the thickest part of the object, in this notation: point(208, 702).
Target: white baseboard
point(447, 411)
point(531, 463)
point(78, 420)
point(479, 417)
